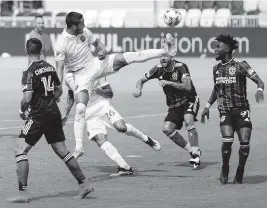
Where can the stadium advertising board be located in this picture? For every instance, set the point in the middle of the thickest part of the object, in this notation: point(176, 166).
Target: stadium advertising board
point(190, 42)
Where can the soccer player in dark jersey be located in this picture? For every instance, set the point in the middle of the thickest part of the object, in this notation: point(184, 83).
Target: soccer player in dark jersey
point(182, 100)
point(230, 91)
point(41, 88)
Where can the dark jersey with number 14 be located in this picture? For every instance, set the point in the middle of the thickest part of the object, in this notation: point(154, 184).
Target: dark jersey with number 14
point(174, 96)
point(231, 85)
point(41, 78)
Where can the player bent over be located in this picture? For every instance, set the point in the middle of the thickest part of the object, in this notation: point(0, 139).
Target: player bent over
point(182, 100)
point(41, 88)
point(100, 115)
point(73, 51)
point(230, 91)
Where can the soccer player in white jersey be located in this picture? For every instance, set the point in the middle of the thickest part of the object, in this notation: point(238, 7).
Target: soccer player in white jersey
point(100, 115)
point(73, 51)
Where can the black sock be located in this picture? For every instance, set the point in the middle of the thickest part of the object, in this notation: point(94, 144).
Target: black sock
point(22, 171)
point(74, 167)
point(243, 153)
point(226, 151)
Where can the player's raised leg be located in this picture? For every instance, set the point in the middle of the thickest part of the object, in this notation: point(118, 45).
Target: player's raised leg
point(113, 154)
point(22, 164)
point(123, 59)
point(71, 162)
point(130, 130)
point(169, 129)
point(244, 135)
point(226, 149)
point(193, 139)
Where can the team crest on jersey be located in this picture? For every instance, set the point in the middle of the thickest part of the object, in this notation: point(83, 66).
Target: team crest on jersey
point(175, 76)
point(222, 118)
point(232, 70)
point(111, 113)
point(82, 38)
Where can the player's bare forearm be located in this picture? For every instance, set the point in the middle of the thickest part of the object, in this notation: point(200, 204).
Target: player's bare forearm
point(25, 102)
point(69, 103)
point(105, 91)
point(213, 97)
point(99, 45)
point(140, 83)
point(60, 70)
point(258, 81)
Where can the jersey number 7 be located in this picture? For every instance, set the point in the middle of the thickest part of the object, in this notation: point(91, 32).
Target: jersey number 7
point(48, 86)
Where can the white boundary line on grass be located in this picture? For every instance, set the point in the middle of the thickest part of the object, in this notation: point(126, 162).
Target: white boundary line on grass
point(126, 117)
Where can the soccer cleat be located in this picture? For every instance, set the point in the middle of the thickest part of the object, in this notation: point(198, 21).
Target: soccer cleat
point(78, 152)
point(153, 143)
point(224, 174)
point(21, 198)
point(123, 172)
point(239, 175)
point(84, 189)
point(169, 45)
point(195, 160)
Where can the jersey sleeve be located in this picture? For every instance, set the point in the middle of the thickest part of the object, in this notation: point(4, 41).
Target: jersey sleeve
point(59, 51)
point(27, 81)
point(246, 69)
point(56, 80)
point(89, 34)
point(153, 73)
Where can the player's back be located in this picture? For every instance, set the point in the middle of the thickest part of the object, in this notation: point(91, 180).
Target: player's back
point(41, 78)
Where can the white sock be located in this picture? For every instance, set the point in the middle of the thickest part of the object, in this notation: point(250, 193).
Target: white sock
point(142, 56)
point(132, 131)
point(188, 148)
point(195, 150)
point(79, 123)
point(114, 155)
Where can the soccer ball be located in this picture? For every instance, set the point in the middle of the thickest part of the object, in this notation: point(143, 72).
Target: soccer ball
point(172, 17)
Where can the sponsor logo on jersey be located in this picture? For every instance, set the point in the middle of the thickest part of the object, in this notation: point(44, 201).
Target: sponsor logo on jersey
point(225, 80)
point(232, 70)
point(82, 38)
point(175, 76)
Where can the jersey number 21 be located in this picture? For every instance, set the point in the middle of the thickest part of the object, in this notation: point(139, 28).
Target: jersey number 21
point(48, 86)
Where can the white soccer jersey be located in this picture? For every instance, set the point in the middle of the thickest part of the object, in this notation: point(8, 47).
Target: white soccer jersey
point(74, 50)
point(94, 98)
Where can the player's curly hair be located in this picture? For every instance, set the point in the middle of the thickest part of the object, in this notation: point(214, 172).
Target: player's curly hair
point(228, 40)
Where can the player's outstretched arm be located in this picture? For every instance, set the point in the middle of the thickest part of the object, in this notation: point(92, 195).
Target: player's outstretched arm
point(184, 86)
point(105, 91)
point(206, 111)
point(259, 94)
point(139, 86)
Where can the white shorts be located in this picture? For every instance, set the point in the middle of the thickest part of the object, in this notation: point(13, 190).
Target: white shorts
point(86, 77)
point(99, 117)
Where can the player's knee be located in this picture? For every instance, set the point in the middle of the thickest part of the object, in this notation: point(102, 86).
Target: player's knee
point(167, 130)
point(244, 148)
point(80, 110)
point(99, 140)
point(120, 127)
point(60, 149)
point(119, 61)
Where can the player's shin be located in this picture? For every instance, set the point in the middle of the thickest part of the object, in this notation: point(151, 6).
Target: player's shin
point(132, 131)
point(179, 140)
point(114, 155)
point(74, 167)
point(142, 56)
point(79, 123)
point(22, 171)
point(193, 139)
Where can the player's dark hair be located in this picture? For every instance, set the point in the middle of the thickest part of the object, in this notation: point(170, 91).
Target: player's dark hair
point(228, 40)
point(73, 18)
point(38, 16)
point(34, 46)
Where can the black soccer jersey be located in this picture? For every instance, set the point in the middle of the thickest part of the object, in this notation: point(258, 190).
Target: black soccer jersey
point(231, 84)
point(41, 78)
point(174, 97)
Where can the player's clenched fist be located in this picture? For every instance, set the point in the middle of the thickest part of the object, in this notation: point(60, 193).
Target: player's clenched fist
point(205, 112)
point(102, 55)
point(259, 96)
point(138, 93)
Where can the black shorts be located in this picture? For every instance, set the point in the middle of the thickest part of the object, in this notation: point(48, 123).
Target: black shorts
point(35, 128)
point(176, 114)
point(236, 119)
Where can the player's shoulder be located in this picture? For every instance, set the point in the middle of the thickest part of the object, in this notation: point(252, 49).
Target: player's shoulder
point(215, 68)
point(179, 63)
